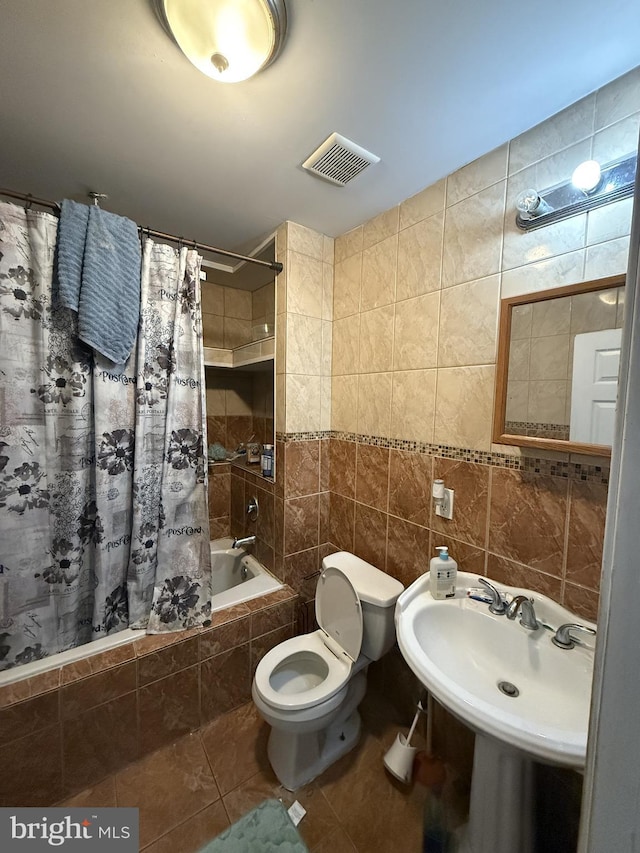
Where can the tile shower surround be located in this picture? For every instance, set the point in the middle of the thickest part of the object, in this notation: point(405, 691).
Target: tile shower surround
point(69, 728)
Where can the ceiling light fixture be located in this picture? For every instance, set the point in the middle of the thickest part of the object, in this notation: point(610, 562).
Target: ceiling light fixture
point(228, 40)
point(590, 186)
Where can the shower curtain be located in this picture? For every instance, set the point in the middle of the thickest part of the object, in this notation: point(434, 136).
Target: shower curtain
point(103, 515)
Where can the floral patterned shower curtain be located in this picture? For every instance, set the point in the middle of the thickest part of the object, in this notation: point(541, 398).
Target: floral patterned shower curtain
point(170, 560)
point(103, 520)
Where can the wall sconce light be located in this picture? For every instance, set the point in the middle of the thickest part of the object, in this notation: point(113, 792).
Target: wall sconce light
point(442, 499)
point(587, 176)
point(228, 40)
point(591, 186)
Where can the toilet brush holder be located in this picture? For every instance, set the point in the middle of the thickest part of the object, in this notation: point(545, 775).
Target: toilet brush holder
point(399, 759)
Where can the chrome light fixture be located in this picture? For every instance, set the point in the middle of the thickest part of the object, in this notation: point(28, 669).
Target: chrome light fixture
point(228, 40)
point(591, 186)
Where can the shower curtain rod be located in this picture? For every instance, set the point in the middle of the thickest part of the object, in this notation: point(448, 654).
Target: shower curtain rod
point(276, 266)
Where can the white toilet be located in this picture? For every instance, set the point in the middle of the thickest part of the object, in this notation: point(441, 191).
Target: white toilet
point(309, 687)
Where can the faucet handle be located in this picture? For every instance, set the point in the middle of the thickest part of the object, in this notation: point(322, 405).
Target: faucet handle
point(563, 638)
point(497, 605)
point(253, 509)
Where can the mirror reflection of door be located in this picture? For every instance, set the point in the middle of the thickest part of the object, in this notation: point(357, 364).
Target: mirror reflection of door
point(558, 359)
point(594, 386)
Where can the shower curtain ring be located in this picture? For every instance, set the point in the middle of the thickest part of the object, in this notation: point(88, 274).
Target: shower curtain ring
point(28, 202)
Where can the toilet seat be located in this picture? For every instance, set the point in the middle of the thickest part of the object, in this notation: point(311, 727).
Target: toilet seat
point(309, 670)
point(295, 660)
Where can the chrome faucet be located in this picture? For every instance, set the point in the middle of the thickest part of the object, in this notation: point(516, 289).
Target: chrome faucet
point(563, 638)
point(527, 613)
point(497, 605)
point(240, 543)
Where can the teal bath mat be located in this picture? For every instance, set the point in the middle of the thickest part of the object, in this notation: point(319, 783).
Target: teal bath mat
point(265, 829)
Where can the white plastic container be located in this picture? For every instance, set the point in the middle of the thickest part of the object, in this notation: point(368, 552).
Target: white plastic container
point(443, 572)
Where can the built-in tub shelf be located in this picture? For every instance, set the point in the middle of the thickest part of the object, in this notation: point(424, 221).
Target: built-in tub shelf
point(251, 467)
point(254, 356)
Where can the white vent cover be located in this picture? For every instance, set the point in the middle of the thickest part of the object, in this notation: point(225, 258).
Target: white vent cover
point(339, 160)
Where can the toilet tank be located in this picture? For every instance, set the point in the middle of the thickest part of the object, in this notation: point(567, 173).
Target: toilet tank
point(378, 593)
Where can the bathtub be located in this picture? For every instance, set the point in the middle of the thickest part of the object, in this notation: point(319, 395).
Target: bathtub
point(236, 576)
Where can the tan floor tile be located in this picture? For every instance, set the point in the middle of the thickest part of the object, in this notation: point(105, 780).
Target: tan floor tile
point(102, 795)
point(167, 786)
point(374, 810)
point(236, 746)
point(262, 786)
point(354, 807)
point(337, 842)
point(193, 833)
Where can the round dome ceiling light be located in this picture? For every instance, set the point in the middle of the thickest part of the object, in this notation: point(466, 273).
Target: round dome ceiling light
point(228, 40)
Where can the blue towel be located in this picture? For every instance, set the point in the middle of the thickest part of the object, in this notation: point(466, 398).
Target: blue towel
point(72, 234)
point(99, 277)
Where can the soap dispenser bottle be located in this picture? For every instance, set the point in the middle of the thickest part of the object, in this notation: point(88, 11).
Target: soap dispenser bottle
point(443, 571)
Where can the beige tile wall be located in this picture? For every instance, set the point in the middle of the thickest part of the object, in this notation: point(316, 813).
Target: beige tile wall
point(226, 316)
point(304, 314)
point(228, 393)
point(390, 332)
point(263, 306)
point(229, 314)
point(417, 288)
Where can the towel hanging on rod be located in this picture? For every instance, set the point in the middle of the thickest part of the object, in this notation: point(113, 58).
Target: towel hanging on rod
point(276, 266)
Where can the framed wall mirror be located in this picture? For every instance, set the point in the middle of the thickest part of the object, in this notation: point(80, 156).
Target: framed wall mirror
point(557, 369)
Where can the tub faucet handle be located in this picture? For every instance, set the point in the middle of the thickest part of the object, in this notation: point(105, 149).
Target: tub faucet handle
point(253, 509)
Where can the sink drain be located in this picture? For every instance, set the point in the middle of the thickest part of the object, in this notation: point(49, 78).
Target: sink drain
point(508, 689)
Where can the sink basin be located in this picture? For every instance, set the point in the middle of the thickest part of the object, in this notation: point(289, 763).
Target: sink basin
point(462, 653)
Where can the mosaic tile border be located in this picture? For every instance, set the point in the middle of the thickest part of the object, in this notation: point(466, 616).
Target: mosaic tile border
point(528, 464)
point(559, 432)
point(303, 436)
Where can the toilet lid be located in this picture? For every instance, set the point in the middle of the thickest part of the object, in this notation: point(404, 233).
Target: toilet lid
point(338, 610)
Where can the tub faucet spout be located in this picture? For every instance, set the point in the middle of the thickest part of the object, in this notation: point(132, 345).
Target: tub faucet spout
point(241, 543)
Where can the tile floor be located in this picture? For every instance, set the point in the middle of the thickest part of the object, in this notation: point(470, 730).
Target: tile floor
point(193, 789)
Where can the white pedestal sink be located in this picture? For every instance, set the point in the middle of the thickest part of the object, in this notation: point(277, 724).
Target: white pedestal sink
point(470, 660)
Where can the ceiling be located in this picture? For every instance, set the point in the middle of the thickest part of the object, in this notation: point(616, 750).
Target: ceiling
point(95, 96)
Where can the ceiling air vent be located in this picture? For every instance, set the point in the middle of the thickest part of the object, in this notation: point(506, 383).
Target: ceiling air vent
point(339, 160)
